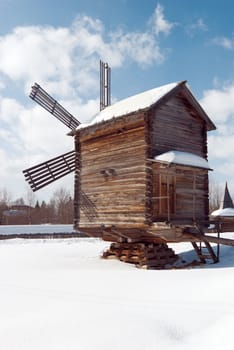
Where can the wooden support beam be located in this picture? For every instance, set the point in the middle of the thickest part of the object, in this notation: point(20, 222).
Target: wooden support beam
point(218, 240)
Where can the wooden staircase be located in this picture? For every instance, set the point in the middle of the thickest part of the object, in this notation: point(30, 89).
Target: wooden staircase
point(205, 252)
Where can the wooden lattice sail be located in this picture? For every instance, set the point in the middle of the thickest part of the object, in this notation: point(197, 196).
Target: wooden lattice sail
point(52, 106)
point(47, 172)
point(51, 170)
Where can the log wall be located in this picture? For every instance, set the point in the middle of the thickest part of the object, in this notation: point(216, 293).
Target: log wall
point(117, 186)
point(113, 176)
point(176, 126)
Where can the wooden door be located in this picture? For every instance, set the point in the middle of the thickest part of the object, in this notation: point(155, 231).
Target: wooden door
point(164, 196)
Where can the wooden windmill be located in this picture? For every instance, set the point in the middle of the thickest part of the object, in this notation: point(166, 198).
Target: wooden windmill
point(141, 171)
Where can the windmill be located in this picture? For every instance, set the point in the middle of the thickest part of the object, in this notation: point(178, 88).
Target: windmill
point(45, 173)
point(141, 172)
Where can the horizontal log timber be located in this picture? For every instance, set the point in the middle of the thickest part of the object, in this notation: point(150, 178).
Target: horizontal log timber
point(106, 205)
point(113, 171)
point(122, 124)
point(113, 159)
point(130, 209)
point(184, 135)
point(120, 196)
point(98, 159)
point(186, 125)
point(106, 218)
point(115, 137)
point(90, 146)
point(106, 194)
point(193, 143)
point(122, 221)
point(113, 186)
point(104, 175)
point(219, 240)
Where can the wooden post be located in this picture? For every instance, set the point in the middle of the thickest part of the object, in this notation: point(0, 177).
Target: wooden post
point(194, 196)
point(168, 199)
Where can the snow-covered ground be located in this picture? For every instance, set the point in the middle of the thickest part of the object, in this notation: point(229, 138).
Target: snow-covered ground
point(60, 295)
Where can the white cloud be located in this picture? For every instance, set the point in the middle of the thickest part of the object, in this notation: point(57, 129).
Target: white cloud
point(2, 85)
point(34, 47)
point(198, 26)
point(68, 56)
point(63, 60)
point(221, 146)
point(219, 103)
point(224, 42)
point(146, 52)
point(159, 22)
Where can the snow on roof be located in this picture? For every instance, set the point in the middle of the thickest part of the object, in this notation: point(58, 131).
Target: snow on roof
point(223, 212)
point(183, 158)
point(131, 104)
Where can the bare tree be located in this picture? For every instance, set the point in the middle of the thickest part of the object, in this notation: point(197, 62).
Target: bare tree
point(5, 198)
point(63, 206)
point(215, 194)
point(31, 200)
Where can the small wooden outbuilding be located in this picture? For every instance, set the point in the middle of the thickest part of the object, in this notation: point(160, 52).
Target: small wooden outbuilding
point(224, 216)
point(143, 170)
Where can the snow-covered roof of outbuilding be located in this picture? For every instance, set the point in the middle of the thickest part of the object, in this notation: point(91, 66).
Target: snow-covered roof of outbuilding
point(226, 205)
point(223, 212)
point(144, 101)
point(183, 158)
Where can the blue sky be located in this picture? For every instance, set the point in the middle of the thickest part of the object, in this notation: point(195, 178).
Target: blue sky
point(147, 44)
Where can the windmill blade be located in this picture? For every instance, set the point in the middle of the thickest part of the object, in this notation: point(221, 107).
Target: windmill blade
point(45, 173)
point(51, 105)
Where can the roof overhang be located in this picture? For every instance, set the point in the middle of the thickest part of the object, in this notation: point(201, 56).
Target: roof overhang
point(146, 100)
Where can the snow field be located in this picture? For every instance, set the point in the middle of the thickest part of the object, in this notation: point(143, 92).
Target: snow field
point(59, 294)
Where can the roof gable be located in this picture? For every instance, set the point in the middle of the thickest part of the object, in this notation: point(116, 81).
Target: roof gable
point(226, 200)
point(146, 100)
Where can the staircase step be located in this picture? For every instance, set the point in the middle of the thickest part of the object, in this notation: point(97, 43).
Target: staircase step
point(205, 256)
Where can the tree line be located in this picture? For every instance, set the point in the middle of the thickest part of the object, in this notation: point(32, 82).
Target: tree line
point(58, 210)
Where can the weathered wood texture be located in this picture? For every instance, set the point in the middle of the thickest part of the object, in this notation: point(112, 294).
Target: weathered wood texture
point(223, 224)
point(77, 188)
point(180, 193)
point(149, 256)
point(113, 176)
point(176, 126)
point(124, 192)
